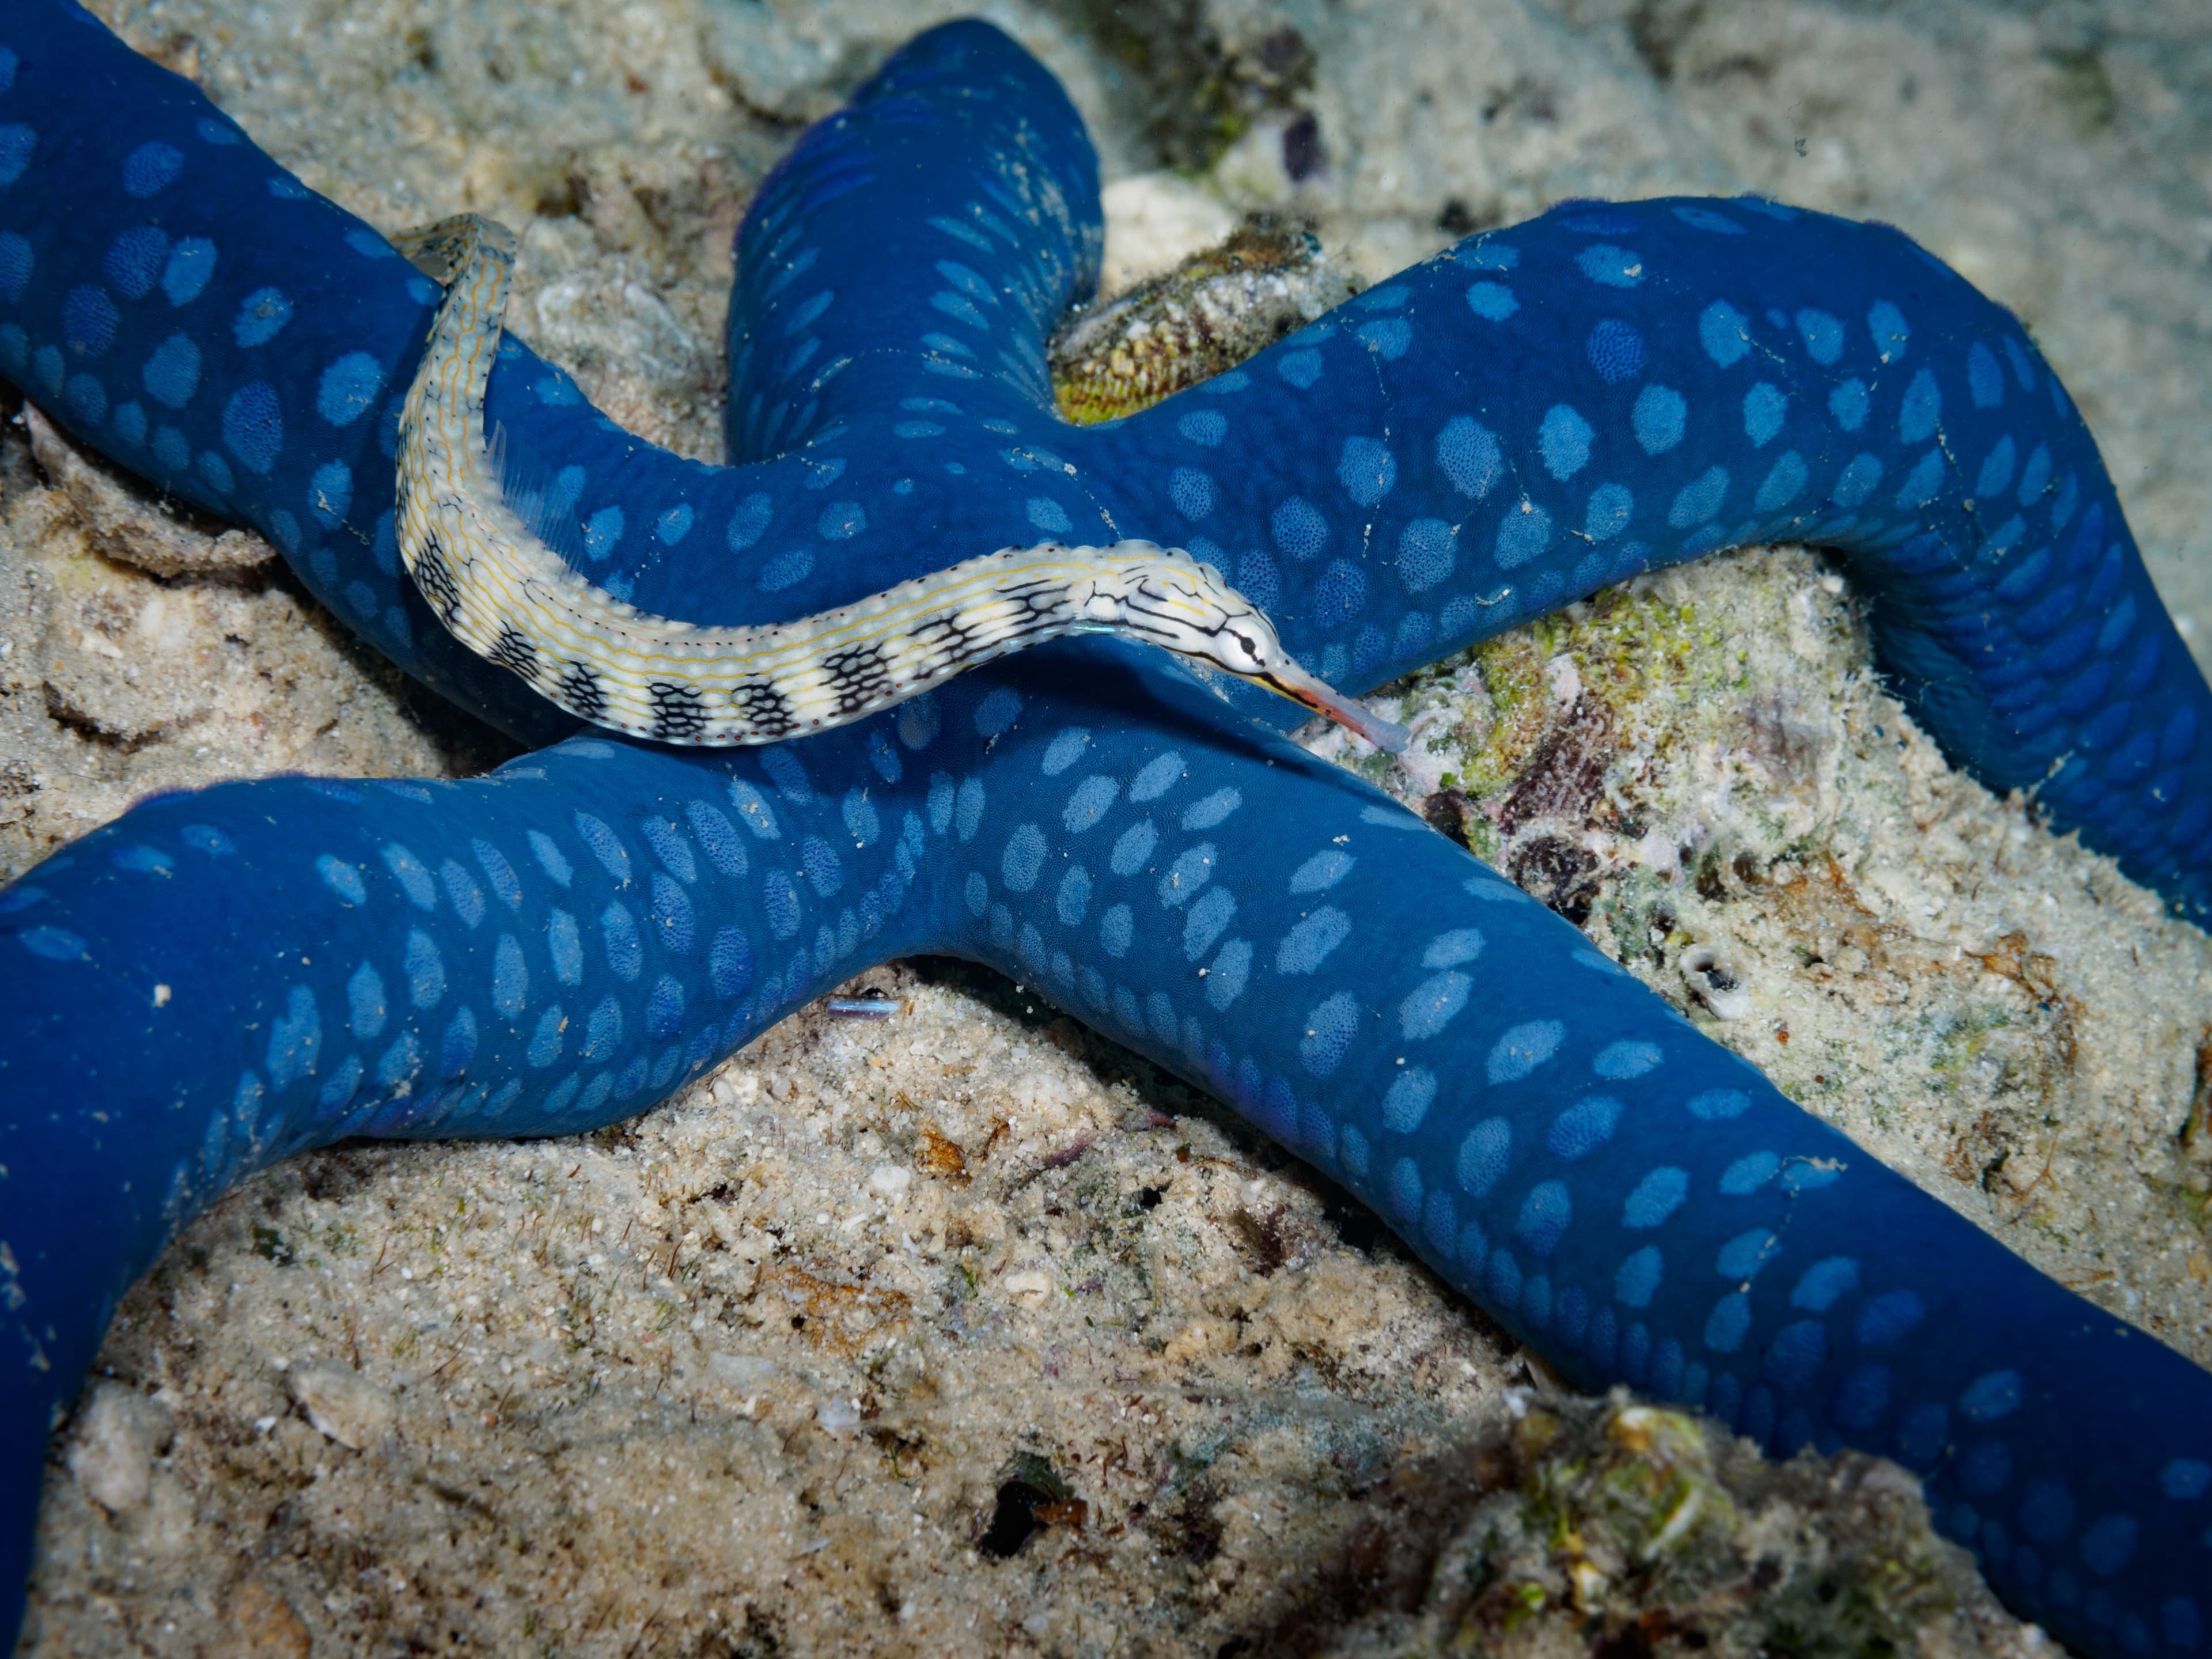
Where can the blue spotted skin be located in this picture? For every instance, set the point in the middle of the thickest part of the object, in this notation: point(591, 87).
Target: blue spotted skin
point(218, 980)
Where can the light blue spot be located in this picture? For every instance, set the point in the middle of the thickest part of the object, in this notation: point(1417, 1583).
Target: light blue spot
point(549, 857)
point(1659, 418)
point(1637, 1279)
point(1432, 1004)
point(1387, 337)
point(664, 1008)
point(1764, 408)
point(1156, 776)
point(1407, 1100)
point(348, 387)
point(1298, 527)
point(1309, 943)
point(1984, 377)
point(1545, 1214)
point(1064, 750)
point(1823, 336)
point(1729, 1323)
point(748, 523)
point(1997, 468)
point(1455, 949)
point(1848, 403)
point(510, 977)
point(2186, 1479)
point(1225, 979)
point(1857, 481)
point(254, 426)
point(1523, 1048)
point(605, 845)
point(1321, 871)
point(1698, 499)
point(1074, 899)
point(1988, 1398)
point(204, 837)
point(261, 315)
point(426, 970)
point(1469, 452)
point(1742, 1256)
point(1492, 301)
point(150, 169)
point(1825, 1284)
point(172, 373)
point(1189, 873)
point(792, 566)
point(1922, 409)
point(1483, 1156)
point(1619, 1061)
point(1022, 861)
point(674, 524)
point(546, 1041)
point(1191, 491)
point(1724, 332)
point(1783, 483)
point(412, 877)
point(330, 493)
point(1615, 350)
point(1611, 506)
point(1330, 1026)
point(1367, 470)
point(1717, 1105)
point(366, 1008)
point(841, 522)
point(1564, 441)
point(1889, 1318)
point(997, 711)
point(1925, 481)
point(190, 263)
point(1656, 1197)
point(1117, 930)
point(1425, 554)
point(565, 943)
point(1524, 534)
point(142, 861)
point(1300, 368)
point(1212, 810)
point(1090, 801)
point(342, 878)
point(1610, 266)
point(1583, 1127)
point(1405, 1194)
point(1208, 920)
point(619, 933)
point(1886, 323)
point(295, 1038)
point(779, 903)
point(603, 531)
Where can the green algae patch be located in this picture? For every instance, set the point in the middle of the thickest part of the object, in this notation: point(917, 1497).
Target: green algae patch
point(1616, 1528)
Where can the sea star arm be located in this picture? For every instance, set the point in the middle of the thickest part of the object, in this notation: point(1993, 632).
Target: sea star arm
point(240, 973)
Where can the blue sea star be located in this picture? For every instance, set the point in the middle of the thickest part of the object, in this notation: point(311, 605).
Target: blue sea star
point(217, 981)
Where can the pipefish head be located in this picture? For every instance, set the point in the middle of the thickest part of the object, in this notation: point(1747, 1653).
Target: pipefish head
point(1178, 602)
